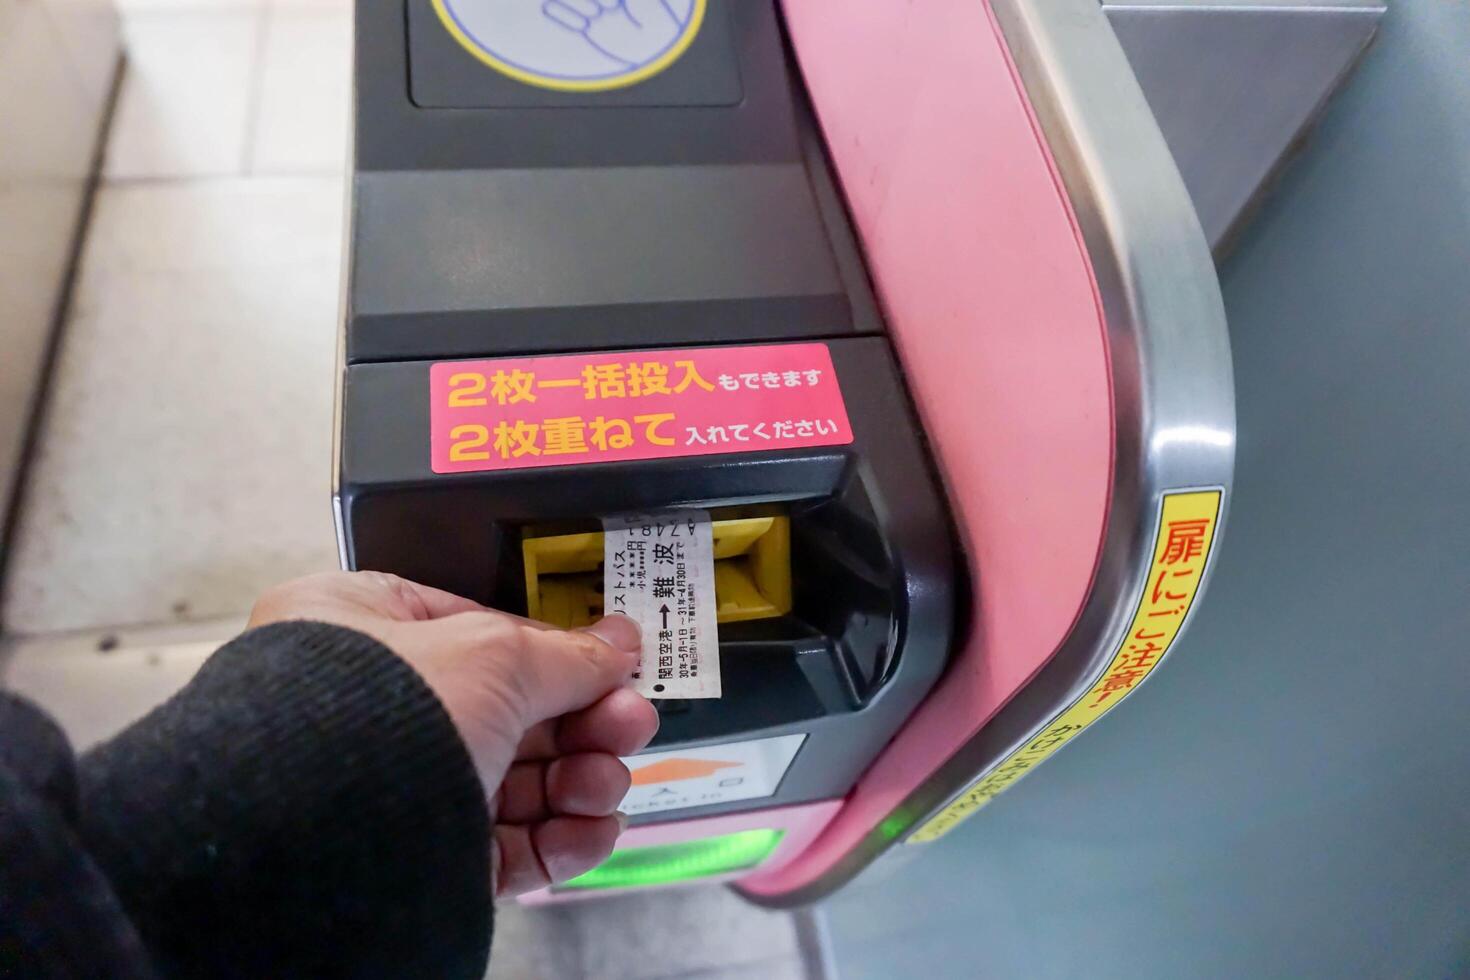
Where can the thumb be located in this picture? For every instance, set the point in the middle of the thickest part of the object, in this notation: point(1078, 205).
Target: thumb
point(561, 672)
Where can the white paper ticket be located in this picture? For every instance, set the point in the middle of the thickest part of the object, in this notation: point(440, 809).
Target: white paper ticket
point(659, 569)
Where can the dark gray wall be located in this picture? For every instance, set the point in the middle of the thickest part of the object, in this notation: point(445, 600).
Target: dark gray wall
point(1298, 804)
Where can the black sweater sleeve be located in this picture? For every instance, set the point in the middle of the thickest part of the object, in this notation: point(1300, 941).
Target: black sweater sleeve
point(302, 808)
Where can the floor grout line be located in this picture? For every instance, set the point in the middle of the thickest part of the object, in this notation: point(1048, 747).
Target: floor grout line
point(263, 21)
point(131, 635)
point(197, 179)
point(13, 513)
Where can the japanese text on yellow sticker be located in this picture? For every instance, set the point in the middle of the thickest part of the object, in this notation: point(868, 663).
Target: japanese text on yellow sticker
point(1182, 543)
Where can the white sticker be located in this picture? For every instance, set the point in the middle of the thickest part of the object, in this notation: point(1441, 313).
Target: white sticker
point(659, 569)
point(709, 774)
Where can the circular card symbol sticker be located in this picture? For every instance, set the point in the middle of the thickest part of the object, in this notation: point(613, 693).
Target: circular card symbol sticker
point(574, 45)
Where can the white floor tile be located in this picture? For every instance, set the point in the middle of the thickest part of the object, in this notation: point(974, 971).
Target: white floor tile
point(697, 931)
point(89, 32)
point(36, 222)
point(679, 931)
point(57, 122)
point(342, 6)
point(541, 943)
point(185, 102)
point(185, 460)
point(130, 7)
point(305, 92)
point(95, 684)
point(216, 225)
point(780, 968)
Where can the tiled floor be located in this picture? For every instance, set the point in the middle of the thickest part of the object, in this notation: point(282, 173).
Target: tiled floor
point(184, 460)
point(196, 373)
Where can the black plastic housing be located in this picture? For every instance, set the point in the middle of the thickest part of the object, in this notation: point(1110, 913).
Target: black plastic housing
point(872, 554)
point(871, 557)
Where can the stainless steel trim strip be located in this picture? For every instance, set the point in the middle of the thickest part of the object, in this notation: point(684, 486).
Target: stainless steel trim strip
point(1173, 391)
point(344, 300)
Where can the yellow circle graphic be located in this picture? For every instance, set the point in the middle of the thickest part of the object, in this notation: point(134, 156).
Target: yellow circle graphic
point(574, 45)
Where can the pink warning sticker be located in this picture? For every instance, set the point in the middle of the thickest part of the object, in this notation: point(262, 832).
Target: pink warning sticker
point(516, 413)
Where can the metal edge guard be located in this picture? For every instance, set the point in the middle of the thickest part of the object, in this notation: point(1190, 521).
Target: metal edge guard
point(1169, 345)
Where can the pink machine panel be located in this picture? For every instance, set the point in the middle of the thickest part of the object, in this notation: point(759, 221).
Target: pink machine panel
point(992, 305)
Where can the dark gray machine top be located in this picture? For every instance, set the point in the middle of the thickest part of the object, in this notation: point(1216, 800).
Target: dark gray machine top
point(492, 218)
point(694, 205)
point(442, 74)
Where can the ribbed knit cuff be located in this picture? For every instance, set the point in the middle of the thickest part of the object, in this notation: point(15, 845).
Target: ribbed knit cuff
point(35, 751)
point(303, 807)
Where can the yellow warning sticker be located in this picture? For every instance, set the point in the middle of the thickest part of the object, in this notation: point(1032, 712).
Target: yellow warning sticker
point(1182, 542)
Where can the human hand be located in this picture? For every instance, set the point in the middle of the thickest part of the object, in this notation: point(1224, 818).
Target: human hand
point(630, 31)
point(545, 713)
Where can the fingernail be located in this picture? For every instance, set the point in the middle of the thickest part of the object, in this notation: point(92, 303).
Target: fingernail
point(622, 819)
point(618, 632)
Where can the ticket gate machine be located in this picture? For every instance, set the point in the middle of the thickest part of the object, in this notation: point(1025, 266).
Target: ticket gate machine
point(912, 301)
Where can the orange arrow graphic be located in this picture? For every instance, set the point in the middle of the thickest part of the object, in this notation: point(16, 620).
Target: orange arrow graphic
point(675, 770)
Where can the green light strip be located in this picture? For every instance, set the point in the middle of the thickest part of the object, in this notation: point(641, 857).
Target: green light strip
point(663, 864)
